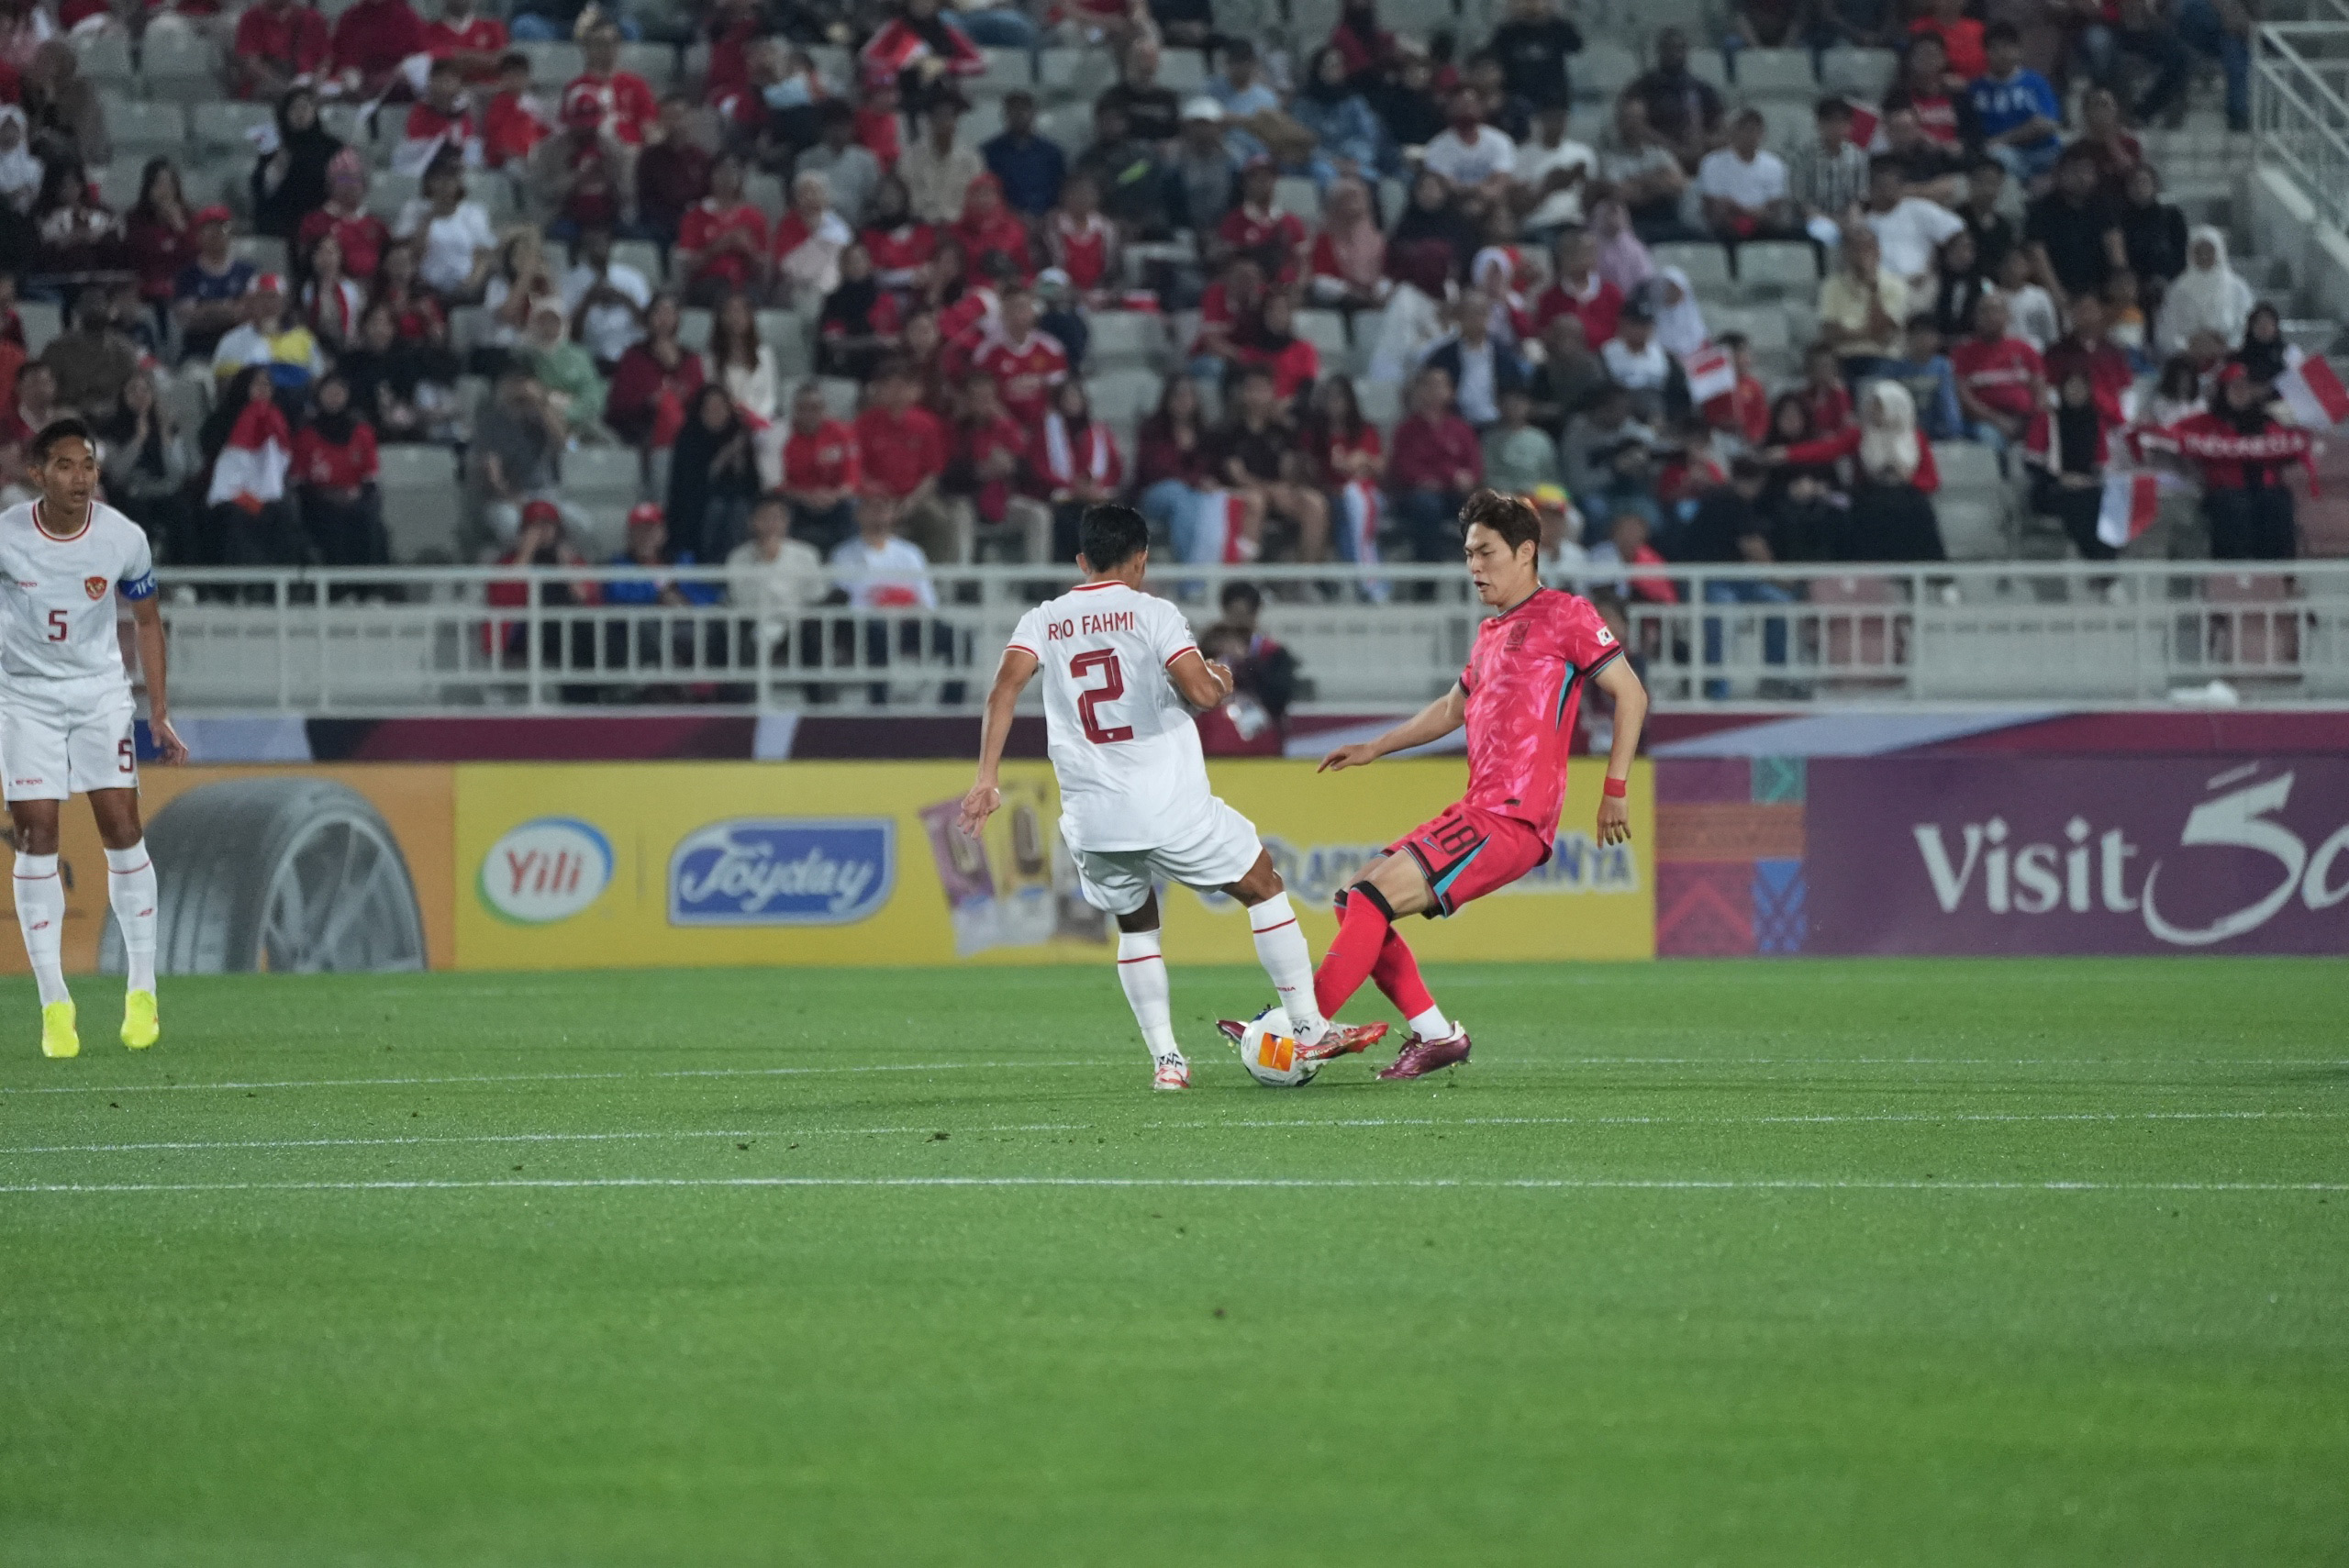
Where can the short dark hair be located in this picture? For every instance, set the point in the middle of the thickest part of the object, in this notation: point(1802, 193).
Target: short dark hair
point(1884, 163)
point(1110, 536)
point(1733, 341)
point(444, 66)
point(1922, 321)
point(2001, 32)
point(834, 112)
point(513, 60)
point(1831, 109)
point(1936, 39)
point(1745, 469)
point(1511, 517)
point(56, 431)
point(1235, 591)
point(1748, 117)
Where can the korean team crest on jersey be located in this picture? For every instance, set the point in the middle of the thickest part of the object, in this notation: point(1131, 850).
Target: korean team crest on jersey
point(766, 871)
point(95, 586)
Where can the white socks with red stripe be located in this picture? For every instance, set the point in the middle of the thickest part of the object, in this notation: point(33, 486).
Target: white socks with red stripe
point(40, 914)
point(1143, 972)
point(1280, 948)
point(130, 888)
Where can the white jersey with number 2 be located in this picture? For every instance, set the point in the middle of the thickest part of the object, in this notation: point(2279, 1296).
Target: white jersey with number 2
point(57, 595)
point(1122, 739)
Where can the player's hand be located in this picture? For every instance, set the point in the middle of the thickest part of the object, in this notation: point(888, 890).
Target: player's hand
point(1360, 755)
point(1222, 672)
point(1614, 821)
point(978, 805)
point(168, 742)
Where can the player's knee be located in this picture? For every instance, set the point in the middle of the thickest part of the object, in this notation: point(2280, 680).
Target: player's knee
point(1143, 919)
point(36, 839)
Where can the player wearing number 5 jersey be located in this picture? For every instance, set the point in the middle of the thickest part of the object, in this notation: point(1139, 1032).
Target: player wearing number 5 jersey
point(1525, 678)
point(1119, 667)
point(66, 711)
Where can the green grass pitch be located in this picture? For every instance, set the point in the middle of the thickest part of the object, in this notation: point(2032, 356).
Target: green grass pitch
point(1741, 1263)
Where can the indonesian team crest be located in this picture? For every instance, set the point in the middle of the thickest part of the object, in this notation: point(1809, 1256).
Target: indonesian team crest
point(96, 586)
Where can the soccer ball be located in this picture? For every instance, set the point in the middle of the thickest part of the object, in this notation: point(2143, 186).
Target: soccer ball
point(1269, 1052)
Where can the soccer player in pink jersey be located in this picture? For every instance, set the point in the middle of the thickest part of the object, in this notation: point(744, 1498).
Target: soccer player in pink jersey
point(1525, 677)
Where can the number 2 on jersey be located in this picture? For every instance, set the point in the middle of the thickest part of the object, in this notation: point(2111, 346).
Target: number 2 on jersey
point(1112, 687)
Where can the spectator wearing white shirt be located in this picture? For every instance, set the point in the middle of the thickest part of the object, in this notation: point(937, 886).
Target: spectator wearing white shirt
point(774, 577)
point(879, 569)
point(1552, 170)
point(1744, 185)
point(458, 246)
point(1243, 93)
point(1910, 229)
point(605, 298)
point(1468, 152)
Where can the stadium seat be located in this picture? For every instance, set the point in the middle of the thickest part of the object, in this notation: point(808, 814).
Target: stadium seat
point(1766, 330)
point(1599, 71)
point(104, 58)
point(1009, 71)
point(147, 130)
point(1326, 330)
point(422, 501)
point(642, 254)
point(656, 63)
point(265, 252)
point(1707, 65)
point(495, 196)
point(1075, 72)
point(178, 67)
point(1125, 338)
point(693, 328)
point(118, 183)
point(468, 326)
point(1862, 73)
point(1967, 466)
point(981, 126)
point(1381, 402)
point(387, 192)
point(1765, 270)
point(225, 126)
point(1787, 123)
point(1299, 196)
point(841, 397)
point(834, 62)
point(552, 64)
point(1124, 395)
point(348, 125)
point(1184, 71)
point(795, 357)
point(187, 396)
point(605, 475)
point(41, 321)
point(1706, 264)
point(1973, 528)
point(1776, 74)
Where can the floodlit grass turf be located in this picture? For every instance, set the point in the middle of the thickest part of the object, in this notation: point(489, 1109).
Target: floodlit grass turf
point(1888, 1359)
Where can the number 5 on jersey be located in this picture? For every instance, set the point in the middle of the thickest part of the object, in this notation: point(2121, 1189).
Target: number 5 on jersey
point(1112, 687)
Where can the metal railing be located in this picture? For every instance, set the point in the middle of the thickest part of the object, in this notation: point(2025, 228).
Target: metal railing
point(462, 639)
point(2299, 105)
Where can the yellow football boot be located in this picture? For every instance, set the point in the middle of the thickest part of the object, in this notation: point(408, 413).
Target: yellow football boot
point(140, 1028)
point(57, 1036)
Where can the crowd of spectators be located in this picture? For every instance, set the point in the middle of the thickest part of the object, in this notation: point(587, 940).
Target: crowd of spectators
point(1997, 265)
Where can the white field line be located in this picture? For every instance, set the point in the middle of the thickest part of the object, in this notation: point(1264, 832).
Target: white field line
point(1529, 1183)
point(1526, 1065)
point(422, 1140)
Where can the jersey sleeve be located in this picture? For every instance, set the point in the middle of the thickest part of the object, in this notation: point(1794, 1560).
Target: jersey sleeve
point(1590, 647)
point(138, 579)
point(1170, 634)
point(1029, 635)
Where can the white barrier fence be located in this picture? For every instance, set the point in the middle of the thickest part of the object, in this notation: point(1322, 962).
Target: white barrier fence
point(384, 642)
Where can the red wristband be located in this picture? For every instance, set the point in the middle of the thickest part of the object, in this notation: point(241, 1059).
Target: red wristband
point(1616, 789)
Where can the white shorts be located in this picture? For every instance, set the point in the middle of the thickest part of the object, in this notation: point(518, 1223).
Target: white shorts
point(1119, 882)
point(66, 741)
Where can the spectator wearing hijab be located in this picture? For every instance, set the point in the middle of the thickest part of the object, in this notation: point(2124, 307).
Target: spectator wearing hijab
point(808, 241)
point(248, 521)
point(860, 324)
point(1892, 517)
point(148, 463)
point(1623, 260)
point(2242, 452)
point(291, 181)
point(2261, 352)
point(2210, 295)
point(336, 467)
point(1434, 240)
point(77, 233)
point(1350, 141)
point(20, 172)
point(363, 236)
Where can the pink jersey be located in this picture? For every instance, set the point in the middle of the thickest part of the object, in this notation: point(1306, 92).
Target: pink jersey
point(1524, 681)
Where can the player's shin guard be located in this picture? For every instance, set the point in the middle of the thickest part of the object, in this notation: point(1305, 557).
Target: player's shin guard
point(1143, 972)
point(40, 914)
point(1280, 948)
point(1397, 976)
point(1364, 920)
point(130, 888)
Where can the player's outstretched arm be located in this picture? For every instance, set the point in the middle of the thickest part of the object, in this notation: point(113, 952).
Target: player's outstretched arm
point(149, 621)
point(1011, 678)
point(1433, 722)
point(1622, 687)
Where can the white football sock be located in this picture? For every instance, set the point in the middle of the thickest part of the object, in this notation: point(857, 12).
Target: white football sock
point(130, 888)
point(1280, 948)
point(1433, 1025)
point(40, 914)
point(1143, 972)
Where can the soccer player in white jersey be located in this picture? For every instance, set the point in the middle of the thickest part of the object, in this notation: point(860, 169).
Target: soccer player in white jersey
point(65, 715)
point(1119, 668)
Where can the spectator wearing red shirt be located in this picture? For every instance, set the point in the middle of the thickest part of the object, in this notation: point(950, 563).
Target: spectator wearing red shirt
point(721, 241)
point(626, 99)
point(1580, 292)
point(1084, 244)
point(1437, 463)
point(1295, 364)
point(1945, 116)
point(474, 41)
point(821, 472)
point(362, 235)
point(336, 469)
point(161, 234)
point(277, 42)
point(1024, 363)
point(1073, 463)
point(904, 447)
point(1274, 240)
point(1961, 37)
point(654, 382)
point(878, 126)
point(987, 228)
point(371, 41)
point(673, 174)
point(989, 451)
point(2001, 385)
point(2089, 353)
point(513, 124)
point(898, 243)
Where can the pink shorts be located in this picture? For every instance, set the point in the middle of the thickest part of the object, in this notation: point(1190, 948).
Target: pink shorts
point(1469, 852)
